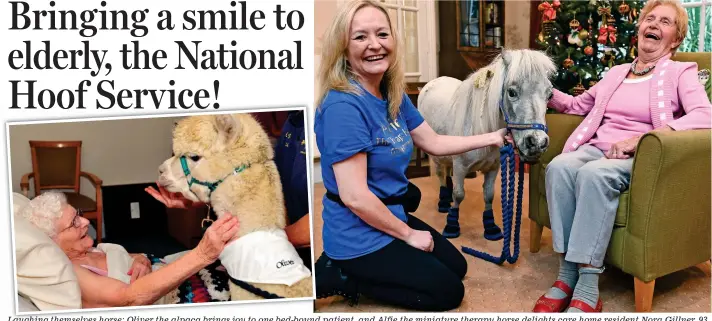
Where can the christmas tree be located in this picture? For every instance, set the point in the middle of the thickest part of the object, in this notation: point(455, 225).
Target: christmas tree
point(586, 38)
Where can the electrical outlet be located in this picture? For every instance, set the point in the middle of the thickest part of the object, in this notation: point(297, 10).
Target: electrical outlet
point(135, 211)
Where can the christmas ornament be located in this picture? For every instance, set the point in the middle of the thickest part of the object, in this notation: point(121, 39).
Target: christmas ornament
point(606, 33)
point(541, 36)
point(578, 89)
point(633, 52)
point(568, 62)
point(608, 58)
point(549, 10)
point(588, 50)
point(574, 38)
point(624, 8)
point(611, 20)
point(574, 24)
point(583, 34)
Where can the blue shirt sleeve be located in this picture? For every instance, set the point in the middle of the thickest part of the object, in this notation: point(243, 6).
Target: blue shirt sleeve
point(345, 132)
point(412, 116)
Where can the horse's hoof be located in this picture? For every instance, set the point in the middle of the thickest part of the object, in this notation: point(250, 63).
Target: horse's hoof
point(493, 236)
point(451, 235)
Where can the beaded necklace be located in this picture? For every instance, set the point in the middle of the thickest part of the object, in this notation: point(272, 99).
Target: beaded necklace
point(640, 73)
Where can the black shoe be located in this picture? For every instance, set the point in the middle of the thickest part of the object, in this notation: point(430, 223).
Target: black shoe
point(330, 281)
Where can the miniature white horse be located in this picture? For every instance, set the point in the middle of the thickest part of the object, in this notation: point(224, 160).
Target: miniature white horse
point(516, 79)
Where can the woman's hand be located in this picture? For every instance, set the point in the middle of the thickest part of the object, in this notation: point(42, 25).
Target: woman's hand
point(140, 267)
point(171, 200)
point(421, 240)
point(216, 237)
point(500, 137)
point(623, 149)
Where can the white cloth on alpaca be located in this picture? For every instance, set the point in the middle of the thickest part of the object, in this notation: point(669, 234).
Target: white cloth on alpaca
point(264, 257)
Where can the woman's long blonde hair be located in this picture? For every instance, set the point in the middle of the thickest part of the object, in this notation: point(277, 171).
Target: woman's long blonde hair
point(335, 72)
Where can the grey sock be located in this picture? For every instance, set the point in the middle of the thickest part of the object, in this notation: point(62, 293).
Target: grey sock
point(587, 287)
point(568, 273)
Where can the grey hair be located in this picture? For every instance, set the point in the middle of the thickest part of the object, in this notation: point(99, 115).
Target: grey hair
point(44, 210)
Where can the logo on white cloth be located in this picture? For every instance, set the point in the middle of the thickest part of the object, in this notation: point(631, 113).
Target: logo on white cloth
point(283, 263)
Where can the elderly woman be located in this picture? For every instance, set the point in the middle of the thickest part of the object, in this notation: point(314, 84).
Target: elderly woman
point(583, 183)
point(365, 129)
point(66, 227)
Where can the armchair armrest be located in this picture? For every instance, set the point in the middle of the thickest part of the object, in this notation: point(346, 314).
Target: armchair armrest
point(669, 211)
point(93, 178)
point(560, 128)
point(25, 183)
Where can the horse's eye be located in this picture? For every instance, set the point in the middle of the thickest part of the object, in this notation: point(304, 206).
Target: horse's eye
point(195, 158)
point(512, 93)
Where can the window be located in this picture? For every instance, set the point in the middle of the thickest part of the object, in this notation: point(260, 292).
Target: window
point(415, 21)
point(699, 30)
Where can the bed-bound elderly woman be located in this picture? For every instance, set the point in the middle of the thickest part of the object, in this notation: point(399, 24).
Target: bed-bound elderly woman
point(108, 276)
point(583, 184)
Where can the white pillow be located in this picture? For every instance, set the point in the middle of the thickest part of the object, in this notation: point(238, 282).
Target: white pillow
point(44, 273)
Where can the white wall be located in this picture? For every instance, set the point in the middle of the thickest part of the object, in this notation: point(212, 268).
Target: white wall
point(120, 152)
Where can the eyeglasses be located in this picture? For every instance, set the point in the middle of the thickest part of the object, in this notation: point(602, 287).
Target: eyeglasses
point(76, 221)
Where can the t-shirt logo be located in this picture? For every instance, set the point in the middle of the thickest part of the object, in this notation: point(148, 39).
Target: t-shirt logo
point(283, 263)
point(395, 136)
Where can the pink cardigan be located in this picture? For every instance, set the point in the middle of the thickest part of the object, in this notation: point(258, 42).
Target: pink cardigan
point(673, 83)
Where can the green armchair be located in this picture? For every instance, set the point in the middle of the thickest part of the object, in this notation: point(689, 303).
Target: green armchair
point(663, 220)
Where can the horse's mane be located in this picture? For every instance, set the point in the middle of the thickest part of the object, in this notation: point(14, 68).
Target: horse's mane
point(478, 112)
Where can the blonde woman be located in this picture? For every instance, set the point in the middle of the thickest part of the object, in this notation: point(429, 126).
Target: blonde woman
point(365, 129)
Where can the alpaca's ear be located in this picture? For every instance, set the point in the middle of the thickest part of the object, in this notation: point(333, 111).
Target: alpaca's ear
point(228, 129)
point(506, 57)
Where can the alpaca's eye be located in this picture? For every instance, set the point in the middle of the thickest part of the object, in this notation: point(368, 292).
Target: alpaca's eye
point(195, 158)
point(551, 95)
point(512, 93)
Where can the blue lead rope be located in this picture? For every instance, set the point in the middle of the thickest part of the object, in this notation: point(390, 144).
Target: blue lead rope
point(506, 158)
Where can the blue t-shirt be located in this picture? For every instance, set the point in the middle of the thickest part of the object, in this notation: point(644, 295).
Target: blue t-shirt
point(347, 124)
point(290, 157)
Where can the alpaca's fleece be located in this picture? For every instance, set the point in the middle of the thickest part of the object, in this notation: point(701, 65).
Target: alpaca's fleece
point(214, 147)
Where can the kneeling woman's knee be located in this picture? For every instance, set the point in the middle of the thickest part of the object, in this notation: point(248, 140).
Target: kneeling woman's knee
point(449, 296)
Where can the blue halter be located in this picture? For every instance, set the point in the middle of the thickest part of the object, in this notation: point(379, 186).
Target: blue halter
point(519, 126)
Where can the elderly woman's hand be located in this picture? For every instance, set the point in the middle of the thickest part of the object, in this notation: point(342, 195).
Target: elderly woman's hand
point(216, 237)
point(140, 267)
point(623, 149)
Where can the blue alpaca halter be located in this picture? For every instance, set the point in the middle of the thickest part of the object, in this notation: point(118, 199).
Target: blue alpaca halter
point(506, 158)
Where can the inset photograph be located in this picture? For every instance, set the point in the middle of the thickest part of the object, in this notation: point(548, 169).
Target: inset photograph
point(161, 210)
point(512, 156)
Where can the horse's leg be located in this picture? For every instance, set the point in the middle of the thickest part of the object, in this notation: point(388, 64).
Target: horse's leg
point(492, 231)
point(445, 190)
point(452, 228)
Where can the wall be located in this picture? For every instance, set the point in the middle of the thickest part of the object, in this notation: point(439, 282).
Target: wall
point(118, 151)
point(450, 61)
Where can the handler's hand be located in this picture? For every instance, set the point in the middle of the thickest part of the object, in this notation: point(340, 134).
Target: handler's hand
point(171, 200)
point(500, 137)
point(623, 149)
point(421, 240)
point(139, 268)
point(216, 237)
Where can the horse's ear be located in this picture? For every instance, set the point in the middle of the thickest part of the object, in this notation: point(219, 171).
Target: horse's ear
point(506, 57)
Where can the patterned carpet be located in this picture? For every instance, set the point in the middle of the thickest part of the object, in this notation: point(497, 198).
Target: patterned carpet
point(515, 288)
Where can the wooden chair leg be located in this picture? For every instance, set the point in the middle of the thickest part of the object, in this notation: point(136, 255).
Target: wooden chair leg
point(99, 230)
point(535, 231)
point(644, 295)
